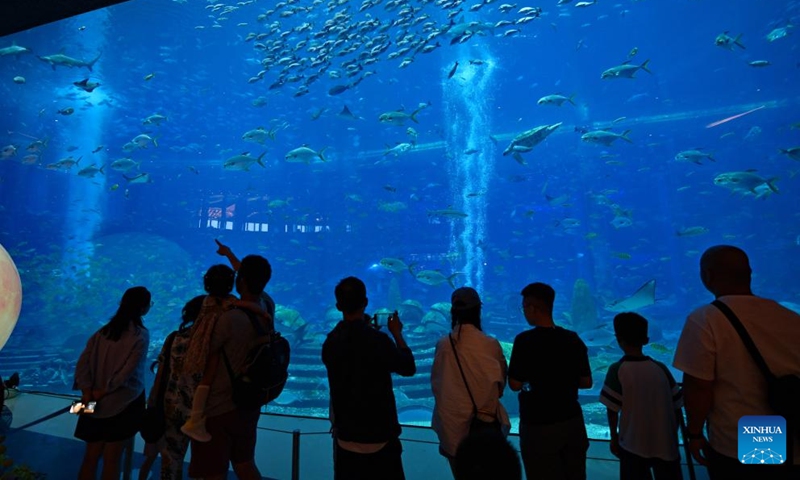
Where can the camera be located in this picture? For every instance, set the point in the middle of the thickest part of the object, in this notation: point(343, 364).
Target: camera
point(79, 407)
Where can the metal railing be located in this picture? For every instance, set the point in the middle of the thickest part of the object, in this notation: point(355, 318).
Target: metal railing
point(296, 434)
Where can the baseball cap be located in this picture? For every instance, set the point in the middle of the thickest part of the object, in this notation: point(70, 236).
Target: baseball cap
point(465, 298)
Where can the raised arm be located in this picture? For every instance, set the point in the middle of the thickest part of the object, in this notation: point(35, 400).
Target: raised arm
point(400, 358)
point(226, 252)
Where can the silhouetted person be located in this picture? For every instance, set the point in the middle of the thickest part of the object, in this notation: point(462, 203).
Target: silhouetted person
point(484, 370)
point(360, 360)
point(646, 438)
point(549, 364)
point(233, 429)
point(110, 372)
point(721, 382)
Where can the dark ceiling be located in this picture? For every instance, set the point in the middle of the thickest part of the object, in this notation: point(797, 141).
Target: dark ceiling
point(19, 15)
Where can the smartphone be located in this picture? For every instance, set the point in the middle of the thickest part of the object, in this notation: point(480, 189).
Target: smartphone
point(76, 407)
point(90, 407)
point(381, 319)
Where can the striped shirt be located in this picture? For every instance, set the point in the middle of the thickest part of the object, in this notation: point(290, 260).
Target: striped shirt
point(647, 395)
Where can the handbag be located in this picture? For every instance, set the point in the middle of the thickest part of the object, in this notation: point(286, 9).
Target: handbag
point(476, 425)
point(154, 422)
point(783, 393)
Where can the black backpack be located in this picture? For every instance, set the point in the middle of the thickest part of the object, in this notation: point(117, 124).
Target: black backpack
point(265, 371)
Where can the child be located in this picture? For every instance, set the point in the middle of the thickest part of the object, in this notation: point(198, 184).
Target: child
point(218, 283)
point(151, 451)
point(650, 401)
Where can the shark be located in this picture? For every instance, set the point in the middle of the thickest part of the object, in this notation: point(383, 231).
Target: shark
point(59, 59)
point(14, 49)
point(643, 297)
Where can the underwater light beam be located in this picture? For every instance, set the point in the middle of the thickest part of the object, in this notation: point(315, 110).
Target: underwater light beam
point(468, 114)
point(86, 199)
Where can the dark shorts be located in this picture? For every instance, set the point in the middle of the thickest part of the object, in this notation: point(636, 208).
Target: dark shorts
point(233, 440)
point(635, 467)
point(385, 464)
point(554, 451)
point(121, 426)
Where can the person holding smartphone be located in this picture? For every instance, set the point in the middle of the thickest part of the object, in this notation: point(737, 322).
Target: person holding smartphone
point(110, 375)
point(360, 360)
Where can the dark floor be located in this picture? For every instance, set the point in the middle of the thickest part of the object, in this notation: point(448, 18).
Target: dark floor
point(48, 447)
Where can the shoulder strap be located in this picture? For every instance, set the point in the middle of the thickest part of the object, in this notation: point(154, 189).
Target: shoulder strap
point(259, 330)
point(463, 377)
point(255, 322)
point(748, 342)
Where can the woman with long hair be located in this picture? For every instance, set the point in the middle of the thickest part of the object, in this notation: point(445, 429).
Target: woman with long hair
point(467, 377)
point(110, 372)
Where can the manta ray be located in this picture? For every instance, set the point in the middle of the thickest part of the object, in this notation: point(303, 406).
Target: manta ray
point(645, 296)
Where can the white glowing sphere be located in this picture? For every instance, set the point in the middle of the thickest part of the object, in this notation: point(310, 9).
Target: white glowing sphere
point(10, 296)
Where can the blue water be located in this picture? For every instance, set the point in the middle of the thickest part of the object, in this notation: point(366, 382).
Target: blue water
point(79, 242)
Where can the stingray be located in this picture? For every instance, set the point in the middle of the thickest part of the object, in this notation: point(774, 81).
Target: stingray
point(347, 114)
point(644, 297)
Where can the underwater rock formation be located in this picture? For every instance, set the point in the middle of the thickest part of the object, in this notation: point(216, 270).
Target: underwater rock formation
point(394, 294)
point(584, 310)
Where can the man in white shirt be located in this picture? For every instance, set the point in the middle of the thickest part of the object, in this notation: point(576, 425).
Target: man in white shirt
point(722, 382)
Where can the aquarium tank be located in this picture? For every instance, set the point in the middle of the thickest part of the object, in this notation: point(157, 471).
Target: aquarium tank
point(420, 145)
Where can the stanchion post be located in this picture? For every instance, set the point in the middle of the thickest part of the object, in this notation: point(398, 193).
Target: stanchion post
point(687, 453)
point(296, 455)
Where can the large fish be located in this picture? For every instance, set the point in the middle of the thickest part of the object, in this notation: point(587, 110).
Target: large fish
point(243, 162)
point(14, 49)
point(598, 337)
point(525, 141)
point(61, 60)
point(625, 70)
point(644, 297)
point(259, 135)
point(399, 117)
point(396, 265)
point(435, 277)
point(604, 137)
point(305, 155)
point(747, 183)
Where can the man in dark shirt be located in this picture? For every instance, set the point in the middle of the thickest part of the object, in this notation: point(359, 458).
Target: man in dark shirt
point(360, 360)
point(549, 364)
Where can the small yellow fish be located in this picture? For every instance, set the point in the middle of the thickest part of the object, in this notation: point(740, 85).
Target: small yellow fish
point(622, 255)
point(149, 77)
point(113, 187)
point(633, 52)
point(590, 236)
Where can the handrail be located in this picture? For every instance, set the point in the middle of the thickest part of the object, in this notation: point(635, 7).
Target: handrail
point(297, 434)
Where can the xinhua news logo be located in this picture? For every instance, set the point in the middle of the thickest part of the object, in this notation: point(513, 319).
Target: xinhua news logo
point(762, 439)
